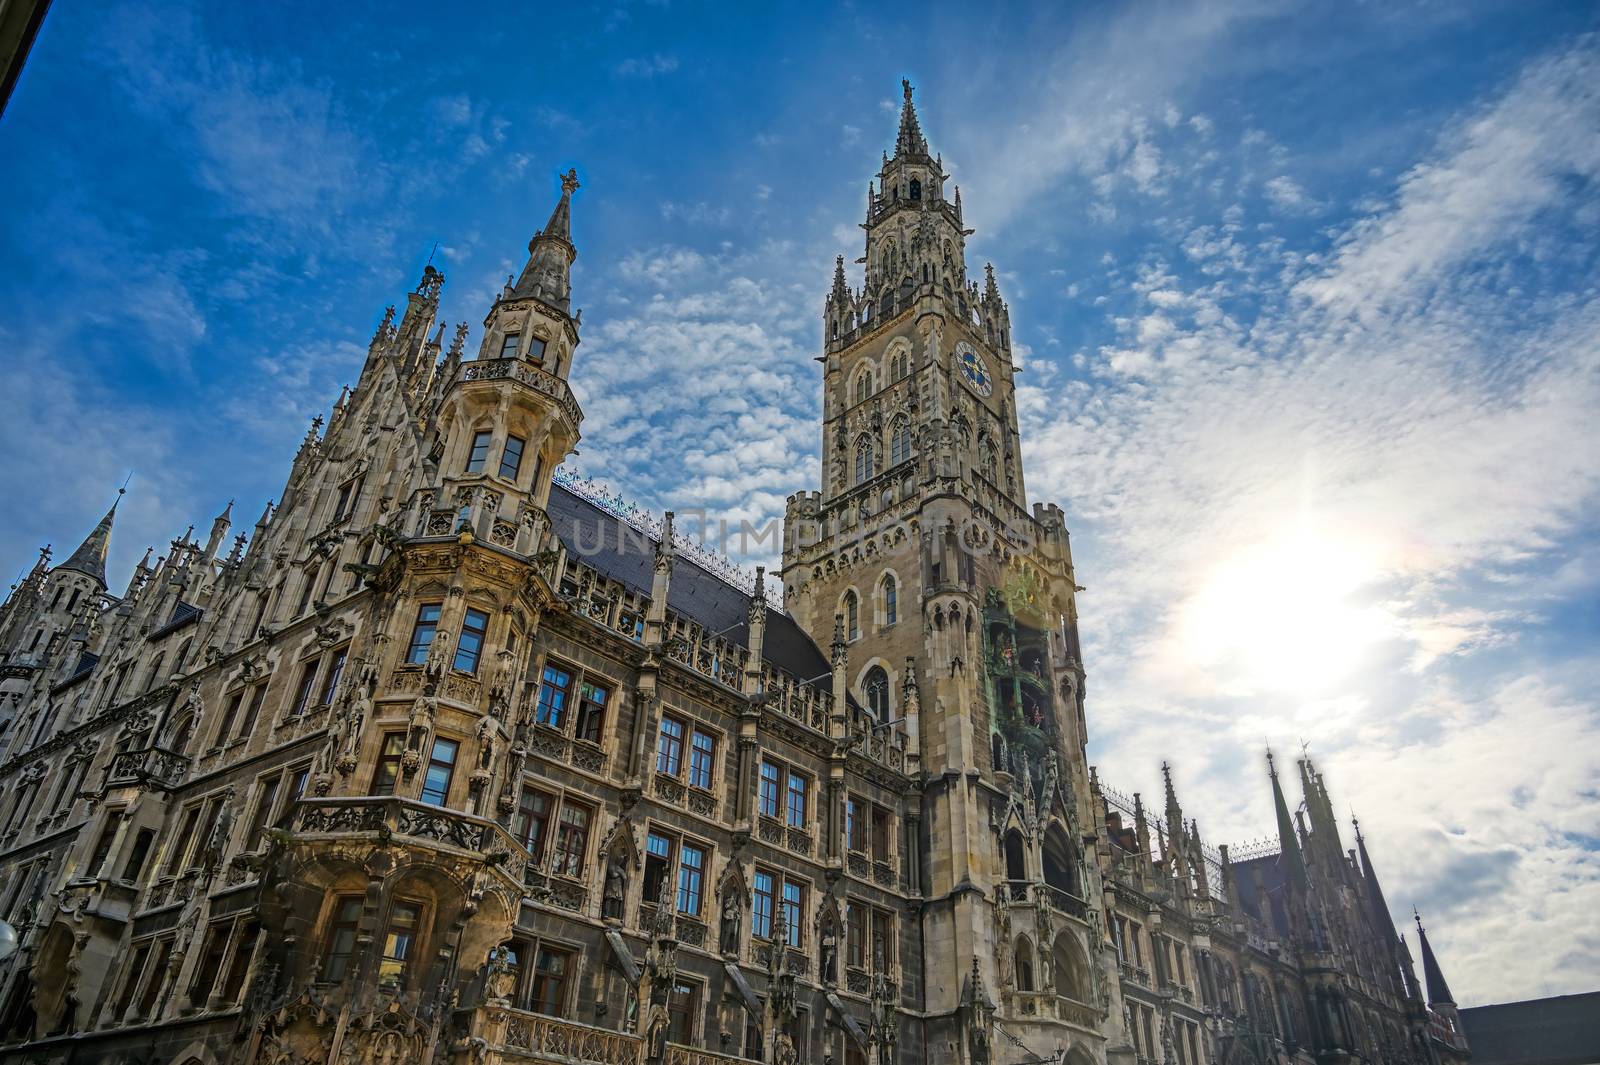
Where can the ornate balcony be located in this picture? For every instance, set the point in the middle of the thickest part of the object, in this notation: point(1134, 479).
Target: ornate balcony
point(526, 373)
point(536, 1037)
point(433, 827)
point(147, 767)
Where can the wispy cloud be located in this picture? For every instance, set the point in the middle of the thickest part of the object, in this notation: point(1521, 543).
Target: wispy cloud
point(648, 66)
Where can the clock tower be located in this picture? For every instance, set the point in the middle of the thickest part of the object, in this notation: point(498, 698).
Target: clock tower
point(950, 605)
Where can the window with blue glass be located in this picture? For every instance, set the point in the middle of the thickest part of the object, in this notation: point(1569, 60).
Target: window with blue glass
point(554, 690)
point(691, 877)
point(771, 783)
point(441, 767)
point(794, 898)
point(799, 786)
point(469, 649)
point(422, 634)
point(657, 866)
point(761, 906)
point(702, 756)
point(669, 747)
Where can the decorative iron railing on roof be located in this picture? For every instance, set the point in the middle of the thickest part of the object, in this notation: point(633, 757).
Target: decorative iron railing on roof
point(1116, 800)
point(642, 520)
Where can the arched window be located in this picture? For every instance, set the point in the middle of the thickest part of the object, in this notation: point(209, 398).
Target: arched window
point(916, 189)
point(1059, 862)
point(886, 304)
point(863, 386)
point(1016, 871)
point(305, 592)
point(891, 599)
point(899, 367)
point(866, 460)
point(1024, 964)
point(183, 734)
point(852, 615)
point(899, 441)
point(1065, 971)
point(876, 686)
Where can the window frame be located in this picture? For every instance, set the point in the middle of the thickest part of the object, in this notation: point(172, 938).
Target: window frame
point(506, 457)
point(478, 451)
point(387, 760)
point(417, 650)
point(435, 762)
point(472, 641)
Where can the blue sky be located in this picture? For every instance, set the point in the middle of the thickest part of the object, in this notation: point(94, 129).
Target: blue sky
point(1305, 294)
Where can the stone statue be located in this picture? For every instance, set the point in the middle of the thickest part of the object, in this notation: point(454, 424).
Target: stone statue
point(783, 1051)
point(616, 889)
point(499, 976)
point(732, 923)
point(830, 954)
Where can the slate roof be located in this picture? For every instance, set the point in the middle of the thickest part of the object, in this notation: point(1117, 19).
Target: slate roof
point(625, 554)
point(1564, 1030)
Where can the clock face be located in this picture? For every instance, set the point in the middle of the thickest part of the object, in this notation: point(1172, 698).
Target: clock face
point(974, 370)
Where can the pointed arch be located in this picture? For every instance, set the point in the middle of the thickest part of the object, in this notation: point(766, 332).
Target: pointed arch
point(888, 599)
point(850, 607)
point(1024, 955)
point(899, 440)
point(866, 466)
point(875, 686)
point(1069, 969)
point(864, 388)
point(1060, 860)
point(1016, 857)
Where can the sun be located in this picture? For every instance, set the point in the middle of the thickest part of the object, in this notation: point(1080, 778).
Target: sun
point(1283, 615)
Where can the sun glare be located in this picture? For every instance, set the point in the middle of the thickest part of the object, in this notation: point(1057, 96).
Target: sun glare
point(1279, 616)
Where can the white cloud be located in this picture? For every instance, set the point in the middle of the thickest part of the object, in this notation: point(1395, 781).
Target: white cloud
point(1346, 470)
point(647, 66)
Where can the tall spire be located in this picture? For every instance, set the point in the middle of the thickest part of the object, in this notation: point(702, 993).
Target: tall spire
point(910, 141)
point(90, 557)
point(1288, 841)
point(1380, 906)
point(1438, 991)
point(547, 276)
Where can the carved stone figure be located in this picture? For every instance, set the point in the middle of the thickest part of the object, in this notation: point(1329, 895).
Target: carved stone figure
point(616, 889)
point(732, 923)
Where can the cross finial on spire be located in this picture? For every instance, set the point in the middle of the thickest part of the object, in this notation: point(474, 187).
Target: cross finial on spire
point(569, 181)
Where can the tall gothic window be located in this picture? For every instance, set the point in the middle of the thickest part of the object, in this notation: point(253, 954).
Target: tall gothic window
point(899, 366)
point(877, 689)
point(899, 441)
point(916, 189)
point(866, 460)
point(852, 615)
point(891, 599)
point(864, 386)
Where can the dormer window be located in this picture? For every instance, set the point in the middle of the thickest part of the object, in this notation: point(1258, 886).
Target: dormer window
point(511, 345)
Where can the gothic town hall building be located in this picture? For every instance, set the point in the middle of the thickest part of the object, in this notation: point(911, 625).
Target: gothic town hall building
point(452, 759)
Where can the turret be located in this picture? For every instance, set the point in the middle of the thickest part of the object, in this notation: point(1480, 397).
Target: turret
point(548, 275)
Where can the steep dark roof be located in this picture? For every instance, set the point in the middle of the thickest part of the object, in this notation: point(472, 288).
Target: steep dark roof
point(624, 554)
point(1432, 974)
point(90, 557)
point(1564, 1030)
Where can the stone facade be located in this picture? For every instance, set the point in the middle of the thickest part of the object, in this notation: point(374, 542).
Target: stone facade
point(460, 760)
